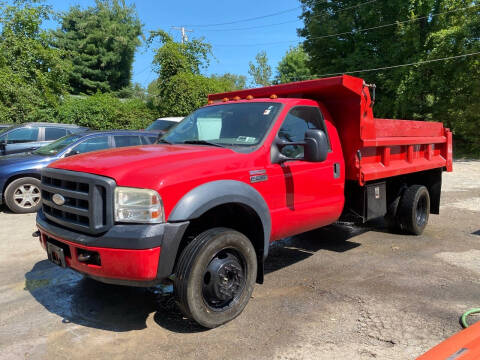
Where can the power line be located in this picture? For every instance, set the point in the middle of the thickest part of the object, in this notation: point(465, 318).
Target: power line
point(290, 21)
point(353, 31)
point(391, 67)
point(248, 19)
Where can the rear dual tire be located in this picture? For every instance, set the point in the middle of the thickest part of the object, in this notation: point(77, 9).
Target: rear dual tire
point(409, 212)
point(215, 276)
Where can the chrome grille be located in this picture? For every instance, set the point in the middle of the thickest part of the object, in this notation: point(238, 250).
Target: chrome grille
point(88, 200)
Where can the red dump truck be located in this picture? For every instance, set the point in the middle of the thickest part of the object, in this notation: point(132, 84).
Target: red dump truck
point(201, 207)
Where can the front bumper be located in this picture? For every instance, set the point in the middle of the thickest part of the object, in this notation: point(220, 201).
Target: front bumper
point(139, 255)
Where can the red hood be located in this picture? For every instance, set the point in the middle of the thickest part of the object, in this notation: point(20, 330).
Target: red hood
point(145, 166)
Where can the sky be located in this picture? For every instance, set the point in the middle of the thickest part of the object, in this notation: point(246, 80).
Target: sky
point(234, 44)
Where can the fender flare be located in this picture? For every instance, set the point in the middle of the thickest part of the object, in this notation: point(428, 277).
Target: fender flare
point(207, 196)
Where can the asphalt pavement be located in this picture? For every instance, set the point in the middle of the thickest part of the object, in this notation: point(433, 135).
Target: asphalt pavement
point(340, 292)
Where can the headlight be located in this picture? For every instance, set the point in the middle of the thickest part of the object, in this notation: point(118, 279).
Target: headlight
point(138, 205)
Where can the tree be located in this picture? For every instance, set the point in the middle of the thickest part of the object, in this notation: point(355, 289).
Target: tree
point(173, 58)
point(261, 71)
point(180, 87)
point(186, 92)
point(232, 81)
point(431, 91)
point(101, 41)
point(293, 66)
point(33, 74)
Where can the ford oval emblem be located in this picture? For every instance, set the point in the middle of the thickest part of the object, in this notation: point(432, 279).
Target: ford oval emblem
point(58, 199)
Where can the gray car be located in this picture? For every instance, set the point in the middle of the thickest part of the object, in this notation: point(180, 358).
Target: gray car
point(30, 136)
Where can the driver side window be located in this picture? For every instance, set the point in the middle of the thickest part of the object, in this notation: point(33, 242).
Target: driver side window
point(296, 123)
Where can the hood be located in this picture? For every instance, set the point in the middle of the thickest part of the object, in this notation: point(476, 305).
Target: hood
point(146, 166)
point(23, 159)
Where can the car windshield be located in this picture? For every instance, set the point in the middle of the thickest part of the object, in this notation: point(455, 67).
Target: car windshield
point(161, 125)
point(57, 146)
point(240, 124)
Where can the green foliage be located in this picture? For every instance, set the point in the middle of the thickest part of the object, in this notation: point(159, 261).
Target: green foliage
point(105, 111)
point(293, 66)
point(232, 81)
point(261, 71)
point(133, 91)
point(33, 75)
point(101, 41)
point(444, 91)
point(186, 92)
point(173, 58)
point(180, 87)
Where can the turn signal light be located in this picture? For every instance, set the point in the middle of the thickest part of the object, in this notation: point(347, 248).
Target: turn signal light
point(210, 102)
point(225, 99)
point(273, 96)
point(249, 97)
point(236, 98)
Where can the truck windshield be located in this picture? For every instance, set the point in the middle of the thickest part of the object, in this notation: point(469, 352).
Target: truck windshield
point(240, 124)
point(55, 147)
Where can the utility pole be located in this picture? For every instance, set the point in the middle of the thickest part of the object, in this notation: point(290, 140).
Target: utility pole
point(184, 32)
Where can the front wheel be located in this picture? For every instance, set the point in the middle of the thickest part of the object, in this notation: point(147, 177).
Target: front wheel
point(215, 276)
point(23, 195)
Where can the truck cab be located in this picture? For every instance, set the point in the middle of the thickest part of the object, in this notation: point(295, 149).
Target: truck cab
point(201, 207)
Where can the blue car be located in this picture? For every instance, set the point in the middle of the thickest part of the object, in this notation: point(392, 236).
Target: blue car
point(20, 173)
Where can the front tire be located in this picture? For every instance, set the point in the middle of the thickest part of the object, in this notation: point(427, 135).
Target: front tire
point(23, 195)
point(215, 276)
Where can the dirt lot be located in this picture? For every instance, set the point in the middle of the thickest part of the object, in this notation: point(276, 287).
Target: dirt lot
point(336, 293)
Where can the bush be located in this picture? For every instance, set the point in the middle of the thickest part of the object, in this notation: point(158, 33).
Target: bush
point(104, 112)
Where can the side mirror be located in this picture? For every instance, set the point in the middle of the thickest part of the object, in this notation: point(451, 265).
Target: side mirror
point(315, 147)
point(72, 152)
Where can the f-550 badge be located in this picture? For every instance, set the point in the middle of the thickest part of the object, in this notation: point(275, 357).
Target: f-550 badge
point(258, 176)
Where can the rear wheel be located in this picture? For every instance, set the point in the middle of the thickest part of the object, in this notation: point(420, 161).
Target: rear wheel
point(215, 276)
point(23, 195)
point(414, 209)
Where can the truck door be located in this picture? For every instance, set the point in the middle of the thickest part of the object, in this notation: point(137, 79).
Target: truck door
point(313, 193)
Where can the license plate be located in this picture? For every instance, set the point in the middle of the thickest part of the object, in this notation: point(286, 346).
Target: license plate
point(56, 255)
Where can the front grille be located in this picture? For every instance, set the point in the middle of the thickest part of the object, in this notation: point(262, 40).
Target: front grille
point(88, 200)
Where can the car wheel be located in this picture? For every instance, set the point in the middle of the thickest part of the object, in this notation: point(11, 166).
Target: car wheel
point(23, 195)
point(215, 276)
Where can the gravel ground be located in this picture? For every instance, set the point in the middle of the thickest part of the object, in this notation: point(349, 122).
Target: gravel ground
point(339, 292)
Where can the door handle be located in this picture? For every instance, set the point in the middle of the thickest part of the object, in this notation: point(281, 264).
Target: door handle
point(336, 170)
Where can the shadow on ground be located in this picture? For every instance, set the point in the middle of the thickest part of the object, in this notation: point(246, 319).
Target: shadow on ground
point(4, 209)
point(120, 308)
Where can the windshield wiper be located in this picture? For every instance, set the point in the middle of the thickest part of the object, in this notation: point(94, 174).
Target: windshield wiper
point(163, 141)
point(202, 142)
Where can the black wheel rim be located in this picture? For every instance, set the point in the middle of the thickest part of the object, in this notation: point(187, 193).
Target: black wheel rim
point(421, 213)
point(224, 280)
